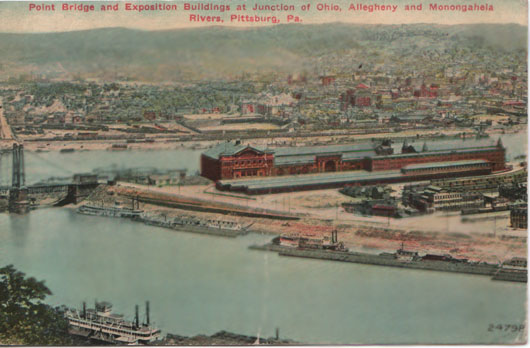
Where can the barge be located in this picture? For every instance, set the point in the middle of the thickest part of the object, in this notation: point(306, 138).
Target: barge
point(179, 223)
point(195, 225)
point(120, 212)
point(298, 247)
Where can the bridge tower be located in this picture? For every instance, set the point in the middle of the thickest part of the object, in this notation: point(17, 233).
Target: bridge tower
point(18, 192)
point(18, 177)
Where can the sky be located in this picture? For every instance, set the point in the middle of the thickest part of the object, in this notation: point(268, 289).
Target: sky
point(17, 17)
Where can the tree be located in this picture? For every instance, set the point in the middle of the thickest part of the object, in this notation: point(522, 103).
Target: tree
point(24, 318)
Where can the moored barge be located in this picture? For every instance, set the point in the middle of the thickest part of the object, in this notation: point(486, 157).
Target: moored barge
point(120, 212)
point(514, 270)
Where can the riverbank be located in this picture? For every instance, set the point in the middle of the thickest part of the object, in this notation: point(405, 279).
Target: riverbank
point(222, 338)
point(199, 142)
point(318, 215)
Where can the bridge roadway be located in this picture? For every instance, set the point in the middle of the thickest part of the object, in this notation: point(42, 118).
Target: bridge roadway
point(70, 192)
point(41, 188)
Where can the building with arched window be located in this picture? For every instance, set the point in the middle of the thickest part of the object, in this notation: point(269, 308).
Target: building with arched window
point(234, 160)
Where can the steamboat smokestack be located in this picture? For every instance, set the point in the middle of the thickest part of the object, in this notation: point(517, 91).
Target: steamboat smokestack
point(137, 317)
point(84, 310)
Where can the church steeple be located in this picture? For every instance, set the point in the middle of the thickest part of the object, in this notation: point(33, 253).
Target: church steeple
point(407, 148)
point(499, 143)
point(405, 144)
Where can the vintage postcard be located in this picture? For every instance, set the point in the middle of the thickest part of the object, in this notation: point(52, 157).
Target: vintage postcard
point(274, 172)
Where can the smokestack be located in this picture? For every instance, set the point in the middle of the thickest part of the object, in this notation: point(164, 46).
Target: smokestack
point(137, 318)
point(277, 333)
point(84, 310)
point(147, 312)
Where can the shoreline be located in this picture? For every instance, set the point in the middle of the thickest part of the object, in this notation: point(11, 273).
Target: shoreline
point(201, 143)
point(382, 259)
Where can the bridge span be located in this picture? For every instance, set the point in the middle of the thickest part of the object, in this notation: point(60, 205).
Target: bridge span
point(19, 197)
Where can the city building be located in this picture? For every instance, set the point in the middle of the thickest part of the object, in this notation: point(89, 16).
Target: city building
point(233, 160)
point(519, 215)
point(376, 207)
point(432, 198)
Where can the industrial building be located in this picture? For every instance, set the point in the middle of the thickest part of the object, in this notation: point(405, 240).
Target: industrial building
point(233, 160)
point(432, 198)
point(519, 215)
point(239, 167)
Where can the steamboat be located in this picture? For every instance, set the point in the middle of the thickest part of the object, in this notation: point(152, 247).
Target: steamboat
point(100, 324)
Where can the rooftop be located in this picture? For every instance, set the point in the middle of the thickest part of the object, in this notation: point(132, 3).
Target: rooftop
point(296, 155)
point(444, 164)
point(323, 150)
point(310, 179)
point(229, 148)
point(446, 151)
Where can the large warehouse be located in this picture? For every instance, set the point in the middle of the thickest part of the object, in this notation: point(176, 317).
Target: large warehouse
point(234, 160)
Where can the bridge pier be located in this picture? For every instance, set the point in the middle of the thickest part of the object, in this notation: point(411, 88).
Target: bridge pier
point(77, 193)
point(18, 201)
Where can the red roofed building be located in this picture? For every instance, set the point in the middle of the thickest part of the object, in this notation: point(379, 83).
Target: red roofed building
point(233, 160)
point(426, 92)
point(327, 80)
point(361, 96)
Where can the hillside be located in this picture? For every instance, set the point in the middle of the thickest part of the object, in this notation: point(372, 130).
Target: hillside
point(223, 52)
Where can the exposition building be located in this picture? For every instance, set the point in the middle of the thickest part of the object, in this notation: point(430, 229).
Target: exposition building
point(232, 163)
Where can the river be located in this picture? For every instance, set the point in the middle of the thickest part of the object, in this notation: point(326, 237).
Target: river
point(203, 284)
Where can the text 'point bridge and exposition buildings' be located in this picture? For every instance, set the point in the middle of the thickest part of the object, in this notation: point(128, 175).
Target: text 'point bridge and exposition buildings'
point(238, 167)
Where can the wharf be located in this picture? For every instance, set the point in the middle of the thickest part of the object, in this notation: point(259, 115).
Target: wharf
point(202, 205)
point(215, 228)
point(492, 270)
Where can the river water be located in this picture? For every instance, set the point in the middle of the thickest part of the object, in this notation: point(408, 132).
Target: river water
point(203, 284)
